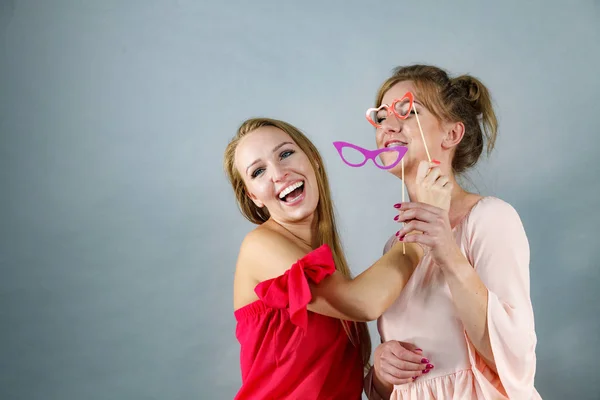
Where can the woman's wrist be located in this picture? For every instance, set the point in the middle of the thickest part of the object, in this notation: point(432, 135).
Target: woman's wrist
point(383, 389)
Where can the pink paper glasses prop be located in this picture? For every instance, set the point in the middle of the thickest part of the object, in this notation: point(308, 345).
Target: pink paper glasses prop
point(366, 155)
point(401, 108)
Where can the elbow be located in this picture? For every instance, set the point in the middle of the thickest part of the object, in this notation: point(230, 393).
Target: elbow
point(373, 314)
point(370, 311)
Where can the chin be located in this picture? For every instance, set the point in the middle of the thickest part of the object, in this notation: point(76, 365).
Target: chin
point(300, 205)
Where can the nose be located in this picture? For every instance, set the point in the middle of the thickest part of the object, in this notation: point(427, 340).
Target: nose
point(391, 124)
point(278, 173)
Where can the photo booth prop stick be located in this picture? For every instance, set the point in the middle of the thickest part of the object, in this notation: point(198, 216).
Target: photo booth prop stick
point(401, 108)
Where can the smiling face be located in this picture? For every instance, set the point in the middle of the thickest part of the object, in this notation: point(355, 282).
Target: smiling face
point(277, 174)
point(405, 132)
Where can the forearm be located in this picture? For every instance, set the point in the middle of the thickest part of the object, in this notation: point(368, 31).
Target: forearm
point(374, 290)
point(383, 389)
point(367, 296)
point(470, 297)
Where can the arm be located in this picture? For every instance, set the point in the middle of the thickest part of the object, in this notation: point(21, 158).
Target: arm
point(266, 254)
point(367, 296)
point(499, 252)
point(491, 284)
point(490, 291)
point(470, 297)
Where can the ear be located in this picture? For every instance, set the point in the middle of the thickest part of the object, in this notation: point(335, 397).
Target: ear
point(257, 202)
point(454, 134)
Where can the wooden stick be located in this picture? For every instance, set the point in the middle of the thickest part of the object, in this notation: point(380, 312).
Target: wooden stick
point(422, 135)
point(403, 186)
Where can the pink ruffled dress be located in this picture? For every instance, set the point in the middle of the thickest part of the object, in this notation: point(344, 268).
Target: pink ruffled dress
point(492, 238)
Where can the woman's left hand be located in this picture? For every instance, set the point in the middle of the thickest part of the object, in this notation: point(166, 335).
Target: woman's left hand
point(429, 226)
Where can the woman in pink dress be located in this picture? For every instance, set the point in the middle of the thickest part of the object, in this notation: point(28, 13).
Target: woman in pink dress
point(466, 310)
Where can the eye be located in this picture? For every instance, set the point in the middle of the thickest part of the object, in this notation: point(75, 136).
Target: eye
point(380, 119)
point(286, 153)
point(257, 172)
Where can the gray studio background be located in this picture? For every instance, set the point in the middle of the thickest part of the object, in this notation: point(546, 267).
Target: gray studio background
point(119, 232)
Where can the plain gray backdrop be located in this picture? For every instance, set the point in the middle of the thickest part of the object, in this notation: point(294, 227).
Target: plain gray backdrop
point(119, 231)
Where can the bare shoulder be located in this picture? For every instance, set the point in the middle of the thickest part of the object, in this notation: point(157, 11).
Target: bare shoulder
point(266, 253)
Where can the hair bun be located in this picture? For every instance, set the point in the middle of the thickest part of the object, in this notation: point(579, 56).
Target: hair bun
point(471, 89)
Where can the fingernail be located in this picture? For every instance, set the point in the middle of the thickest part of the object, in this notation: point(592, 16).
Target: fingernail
point(426, 371)
point(396, 217)
point(397, 233)
point(429, 366)
point(435, 162)
point(397, 205)
point(401, 238)
point(414, 377)
point(424, 361)
point(418, 349)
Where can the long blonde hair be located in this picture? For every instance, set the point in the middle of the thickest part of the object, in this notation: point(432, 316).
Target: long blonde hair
point(324, 216)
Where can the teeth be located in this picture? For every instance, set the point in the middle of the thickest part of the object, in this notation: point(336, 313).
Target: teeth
point(290, 189)
point(395, 144)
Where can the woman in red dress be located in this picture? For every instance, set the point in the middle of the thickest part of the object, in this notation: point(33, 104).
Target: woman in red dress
point(300, 316)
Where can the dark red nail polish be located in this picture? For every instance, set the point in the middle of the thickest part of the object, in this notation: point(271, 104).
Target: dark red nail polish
point(414, 377)
point(396, 217)
point(401, 238)
point(429, 366)
point(397, 205)
point(424, 361)
point(426, 371)
point(397, 233)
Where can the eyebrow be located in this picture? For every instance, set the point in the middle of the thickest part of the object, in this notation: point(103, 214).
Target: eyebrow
point(280, 145)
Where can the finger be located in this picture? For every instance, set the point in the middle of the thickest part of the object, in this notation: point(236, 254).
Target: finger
point(401, 368)
point(414, 225)
point(409, 205)
point(400, 373)
point(422, 170)
point(441, 181)
point(416, 214)
point(418, 238)
point(387, 378)
point(432, 175)
point(409, 352)
point(398, 354)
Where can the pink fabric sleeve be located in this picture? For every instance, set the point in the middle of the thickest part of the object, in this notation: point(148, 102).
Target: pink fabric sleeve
point(498, 248)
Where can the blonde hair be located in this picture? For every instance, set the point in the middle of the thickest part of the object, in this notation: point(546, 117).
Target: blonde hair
point(461, 99)
point(324, 215)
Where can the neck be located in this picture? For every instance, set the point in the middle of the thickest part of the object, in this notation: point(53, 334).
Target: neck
point(304, 231)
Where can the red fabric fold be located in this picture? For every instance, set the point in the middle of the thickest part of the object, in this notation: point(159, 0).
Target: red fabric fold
point(291, 290)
